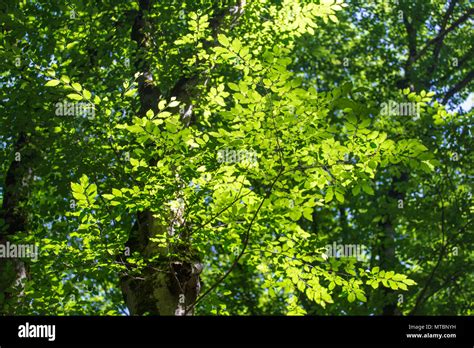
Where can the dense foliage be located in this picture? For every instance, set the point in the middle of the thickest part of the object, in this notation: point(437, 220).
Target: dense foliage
point(249, 135)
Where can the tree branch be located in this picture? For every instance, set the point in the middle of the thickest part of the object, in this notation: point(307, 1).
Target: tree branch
point(460, 85)
point(439, 44)
point(468, 56)
point(411, 32)
point(442, 34)
point(435, 268)
point(245, 244)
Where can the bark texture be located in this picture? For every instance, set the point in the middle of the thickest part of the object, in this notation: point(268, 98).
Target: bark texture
point(167, 286)
point(15, 219)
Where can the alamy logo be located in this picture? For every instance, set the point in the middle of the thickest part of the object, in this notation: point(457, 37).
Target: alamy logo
point(346, 250)
point(236, 156)
point(392, 108)
point(20, 251)
point(37, 331)
point(66, 108)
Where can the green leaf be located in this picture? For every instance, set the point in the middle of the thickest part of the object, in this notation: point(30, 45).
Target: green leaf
point(329, 195)
point(173, 104)
point(409, 282)
point(87, 95)
point(135, 128)
point(79, 196)
point(236, 45)
point(308, 213)
point(220, 101)
point(367, 188)
point(117, 193)
point(393, 285)
point(361, 297)
point(74, 96)
point(130, 92)
point(52, 83)
point(76, 86)
point(233, 86)
point(223, 40)
point(356, 190)
point(402, 286)
point(76, 187)
point(339, 197)
point(92, 190)
point(351, 297)
point(162, 104)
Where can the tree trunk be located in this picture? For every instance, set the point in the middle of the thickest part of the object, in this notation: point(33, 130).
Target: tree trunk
point(388, 259)
point(167, 287)
point(15, 219)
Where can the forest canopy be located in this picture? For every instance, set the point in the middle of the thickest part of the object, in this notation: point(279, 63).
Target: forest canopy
point(233, 157)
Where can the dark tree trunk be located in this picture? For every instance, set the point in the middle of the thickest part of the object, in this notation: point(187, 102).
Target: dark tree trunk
point(167, 287)
point(15, 219)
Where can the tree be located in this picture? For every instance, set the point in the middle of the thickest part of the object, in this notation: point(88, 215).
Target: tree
point(427, 215)
point(186, 158)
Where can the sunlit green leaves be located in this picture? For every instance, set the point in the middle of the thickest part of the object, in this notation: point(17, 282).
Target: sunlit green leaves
point(246, 85)
point(390, 280)
point(84, 192)
point(75, 96)
point(329, 194)
point(52, 83)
